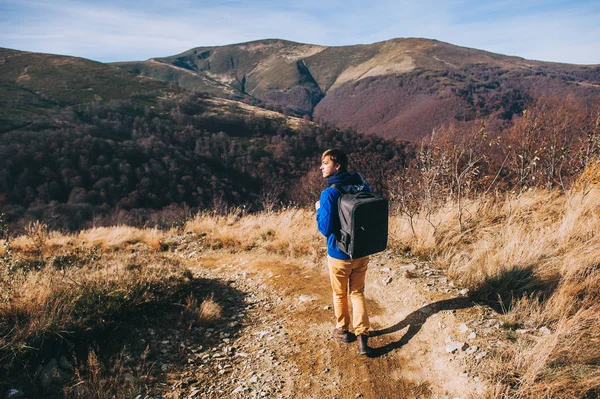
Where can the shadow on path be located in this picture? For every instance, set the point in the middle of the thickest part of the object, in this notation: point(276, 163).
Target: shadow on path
point(415, 320)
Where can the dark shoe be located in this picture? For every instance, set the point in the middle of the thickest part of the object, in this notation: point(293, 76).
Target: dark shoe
point(363, 346)
point(343, 336)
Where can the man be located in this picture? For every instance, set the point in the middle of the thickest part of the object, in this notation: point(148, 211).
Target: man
point(347, 275)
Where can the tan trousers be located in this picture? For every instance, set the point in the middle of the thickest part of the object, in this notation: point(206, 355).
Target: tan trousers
point(348, 276)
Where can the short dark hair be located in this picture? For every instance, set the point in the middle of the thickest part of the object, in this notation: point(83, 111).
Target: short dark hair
point(337, 156)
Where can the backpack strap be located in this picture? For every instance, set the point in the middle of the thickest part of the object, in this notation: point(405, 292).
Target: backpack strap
point(339, 188)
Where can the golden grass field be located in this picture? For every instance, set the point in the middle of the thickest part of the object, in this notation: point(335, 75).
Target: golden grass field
point(535, 257)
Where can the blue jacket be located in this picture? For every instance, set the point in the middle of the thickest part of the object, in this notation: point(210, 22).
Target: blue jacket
point(327, 215)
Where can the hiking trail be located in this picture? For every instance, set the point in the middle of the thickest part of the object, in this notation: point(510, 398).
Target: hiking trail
point(274, 340)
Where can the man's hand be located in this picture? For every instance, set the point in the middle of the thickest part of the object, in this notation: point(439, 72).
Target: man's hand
point(317, 205)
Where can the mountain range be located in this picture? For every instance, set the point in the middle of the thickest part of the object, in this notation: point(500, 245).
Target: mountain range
point(400, 88)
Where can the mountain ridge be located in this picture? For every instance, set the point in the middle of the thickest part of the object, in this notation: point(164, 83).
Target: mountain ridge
point(399, 88)
point(334, 83)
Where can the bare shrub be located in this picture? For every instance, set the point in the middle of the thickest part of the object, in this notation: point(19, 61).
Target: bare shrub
point(308, 189)
point(37, 233)
point(551, 143)
point(93, 379)
point(209, 311)
point(206, 313)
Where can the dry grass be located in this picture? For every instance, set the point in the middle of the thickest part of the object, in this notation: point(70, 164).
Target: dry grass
point(58, 287)
point(39, 241)
point(118, 237)
point(208, 312)
point(536, 257)
point(291, 232)
point(79, 292)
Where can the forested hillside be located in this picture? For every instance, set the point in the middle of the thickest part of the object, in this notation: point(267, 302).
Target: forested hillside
point(122, 159)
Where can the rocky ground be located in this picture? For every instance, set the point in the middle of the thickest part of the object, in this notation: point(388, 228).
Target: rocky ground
point(274, 340)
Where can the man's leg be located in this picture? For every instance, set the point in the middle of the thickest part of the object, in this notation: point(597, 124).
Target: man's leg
point(357, 296)
point(339, 271)
point(360, 316)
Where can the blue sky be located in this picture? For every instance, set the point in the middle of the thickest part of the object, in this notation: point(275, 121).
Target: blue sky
point(109, 30)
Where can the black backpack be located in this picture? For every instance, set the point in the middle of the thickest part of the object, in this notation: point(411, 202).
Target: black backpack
point(363, 223)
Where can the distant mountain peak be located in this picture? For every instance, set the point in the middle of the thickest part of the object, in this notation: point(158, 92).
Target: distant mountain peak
point(401, 87)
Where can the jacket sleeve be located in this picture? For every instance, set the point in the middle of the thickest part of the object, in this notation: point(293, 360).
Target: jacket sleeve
point(325, 214)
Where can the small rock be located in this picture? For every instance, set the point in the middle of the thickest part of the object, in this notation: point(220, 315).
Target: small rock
point(409, 268)
point(387, 280)
point(262, 333)
point(522, 331)
point(65, 365)
point(327, 307)
point(471, 336)
point(52, 377)
point(306, 298)
point(471, 350)
point(386, 269)
point(452, 348)
point(545, 330)
point(253, 380)
point(15, 394)
point(464, 291)
point(238, 389)
point(164, 368)
point(481, 355)
point(463, 328)
point(448, 339)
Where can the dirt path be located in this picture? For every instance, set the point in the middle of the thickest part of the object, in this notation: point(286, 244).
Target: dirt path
point(281, 346)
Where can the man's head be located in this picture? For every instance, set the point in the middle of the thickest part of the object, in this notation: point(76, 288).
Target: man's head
point(333, 161)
